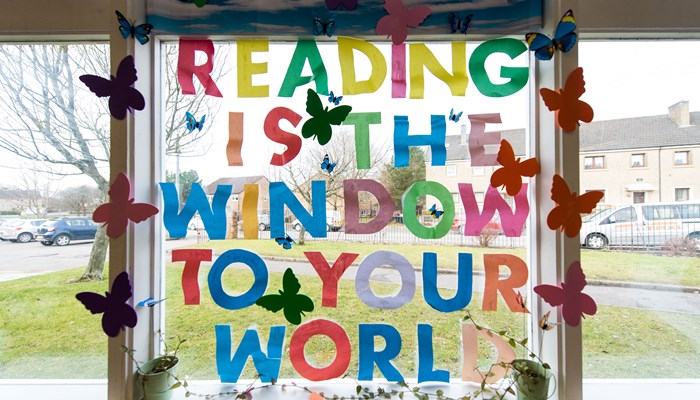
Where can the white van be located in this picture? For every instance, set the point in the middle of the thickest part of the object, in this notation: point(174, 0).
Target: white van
point(641, 225)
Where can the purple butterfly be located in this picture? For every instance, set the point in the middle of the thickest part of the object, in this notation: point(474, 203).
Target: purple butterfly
point(117, 313)
point(123, 96)
point(347, 4)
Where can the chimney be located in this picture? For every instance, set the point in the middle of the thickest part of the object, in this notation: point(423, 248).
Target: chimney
point(679, 112)
point(463, 136)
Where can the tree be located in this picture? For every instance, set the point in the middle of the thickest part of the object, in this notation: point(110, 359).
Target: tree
point(36, 191)
point(398, 180)
point(81, 200)
point(187, 178)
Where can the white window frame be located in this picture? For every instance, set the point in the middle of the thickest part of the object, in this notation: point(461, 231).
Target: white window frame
point(451, 170)
point(644, 160)
point(675, 194)
point(687, 158)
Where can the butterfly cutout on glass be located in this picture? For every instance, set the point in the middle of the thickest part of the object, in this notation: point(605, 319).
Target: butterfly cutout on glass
point(400, 18)
point(122, 95)
point(116, 313)
point(569, 109)
point(327, 165)
point(192, 123)
point(201, 3)
point(512, 170)
point(458, 24)
point(521, 302)
point(319, 125)
point(332, 98)
point(121, 208)
point(574, 303)
point(566, 215)
point(347, 4)
point(324, 26)
point(149, 302)
point(455, 117)
point(564, 39)
point(289, 299)
point(544, 323)
point(286, 242)
point(138, 32)
point(435, 212)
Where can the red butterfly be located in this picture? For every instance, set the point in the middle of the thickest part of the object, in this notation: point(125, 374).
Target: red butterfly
point(400, 18)
point(569, 296)
point(570, 110)
point(566, 215)
point(509, 175)
point(121, 208)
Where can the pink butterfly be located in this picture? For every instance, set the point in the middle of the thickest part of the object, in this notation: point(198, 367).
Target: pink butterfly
point(399, 19)
point(121, 208)
point(573, 302)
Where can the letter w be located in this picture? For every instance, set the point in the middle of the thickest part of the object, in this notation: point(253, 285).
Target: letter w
point(213, 217)
point(511, 221)
point(268, 367)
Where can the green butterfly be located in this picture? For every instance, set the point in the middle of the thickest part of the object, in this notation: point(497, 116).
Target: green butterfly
point(294, 304)
point(201, 3)
point(322, 118)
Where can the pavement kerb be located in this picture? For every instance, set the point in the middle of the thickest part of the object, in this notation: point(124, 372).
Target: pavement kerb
point(593, 282)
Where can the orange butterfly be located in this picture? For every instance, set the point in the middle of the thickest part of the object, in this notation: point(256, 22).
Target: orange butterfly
point(510, 174)
point(566, 215)
point(570, 110)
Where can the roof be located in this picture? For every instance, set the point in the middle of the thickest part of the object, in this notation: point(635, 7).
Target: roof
point(617, 134)
point(238, 183)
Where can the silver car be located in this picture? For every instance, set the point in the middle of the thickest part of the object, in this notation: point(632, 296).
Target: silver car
point(21, 230)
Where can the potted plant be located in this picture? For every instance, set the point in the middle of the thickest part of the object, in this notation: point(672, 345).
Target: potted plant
point(158, 377)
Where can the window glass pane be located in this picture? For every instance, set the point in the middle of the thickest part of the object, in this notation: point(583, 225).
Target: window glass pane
point(206, 163)
point(55, 172)
point(652, 237)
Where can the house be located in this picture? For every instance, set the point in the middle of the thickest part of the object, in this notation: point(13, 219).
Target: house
point(632, 160)
point(235, 202)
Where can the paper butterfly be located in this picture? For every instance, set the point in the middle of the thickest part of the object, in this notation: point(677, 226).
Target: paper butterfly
point(192, 123)
point(121, 208)
point(324, 26)
point(400, 18)
point(509, 175)
point(116, 313)
point(138, 32)
point(455, 117)
point(569, 296)
point(326, 165)
point(123, 96)
point(289, 299)
point(201, 3)
point(319, 125)
point(149, 302)
point(564, 38)
point(521, 302)
point(570, 110)
point(435, 212)
point(347, 4)
point(544, 323)
point(458, 24)
point(334, 99)
point(285, 242)
point(566, 215)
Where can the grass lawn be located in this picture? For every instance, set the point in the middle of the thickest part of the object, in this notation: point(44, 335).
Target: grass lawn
point(607, 265)
point(46, 333)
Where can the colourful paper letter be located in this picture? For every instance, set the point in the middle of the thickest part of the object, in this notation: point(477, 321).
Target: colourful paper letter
point(512, 222)
point(471, 352)
point(436, 140)
point(492, 284)
point(267, 366)
point(216, 287)
point(478, 139)
point(250, 211)
point(214, 218)
point(376, 260)
point(278, 135)
point(426, 357)
point(398, 71)
point(421, 57)
point(330, 275)
point(186, 67)
point(362, 121)
point(368, 357)
point(192, 259)
point(235, 139)
point(342, 350)
point(432, 296)
point(247, 68)
point(410, 200)
point(281, 195)
point(477, 67)
point(351, 193)
point(306, 49)
point(346, 48)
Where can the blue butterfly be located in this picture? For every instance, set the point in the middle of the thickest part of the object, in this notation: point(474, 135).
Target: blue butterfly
point(458, 24)
point(138, 32)
point(285, 242)
point(324, 26)
point(435, 213)
point(564, 39)
point(333, 99)
point(149, 302)
point(326, 165)
point(455, 117)
point(192, 123)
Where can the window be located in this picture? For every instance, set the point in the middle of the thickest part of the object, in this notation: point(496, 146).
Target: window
point(478, 171)
point(451, 170)
point(682, 194)
point(681, 158)
point(638, 197)
point(625, 215)
point(479, 197)
point(595, 162)
point(637, 160)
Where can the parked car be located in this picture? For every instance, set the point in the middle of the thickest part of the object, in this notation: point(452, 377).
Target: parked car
point(20, 230)
point(334, 222)
point(65, 230)
point(263, 222)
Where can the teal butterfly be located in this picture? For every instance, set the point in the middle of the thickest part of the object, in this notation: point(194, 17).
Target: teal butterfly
point(289, 299)
point(319, 126)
